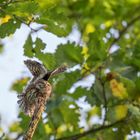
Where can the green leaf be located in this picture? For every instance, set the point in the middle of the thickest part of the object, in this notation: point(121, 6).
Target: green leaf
point(9, 28)
point(94, 111)
point(117, 112)
point(26, 8)
point(80, 92)
point(15, 127)
point(66, 82)
point(60, 117)
point(24, 121)
point(39, 45)
point(56, 19)
point(55, 118)
point(68, 53)
point(134, 117)
point(98, 90)
point(1, 48)
point(40, 132)
point(55, 28)
point(138, 83)
point(48, 60)
point(1, 1)
point(28, 49)
point(19, 84)
point(70, 114)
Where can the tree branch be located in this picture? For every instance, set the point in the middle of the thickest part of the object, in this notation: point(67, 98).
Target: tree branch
point(91, 131)
point(19, 136)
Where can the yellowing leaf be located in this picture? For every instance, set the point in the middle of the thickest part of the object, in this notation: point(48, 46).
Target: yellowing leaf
point(86, 66)
point(94, 111)
point(61, 129)
point(92, 2)
point(85, 69)
point(118, 89)
point(108, 23)
point(106, 5)
point(85, 52)
point(15, 127)
point(89, 28)
point(70, 127)
point(30, 19)
point(23, 80)
point(47, 3)
point(48, 129)
point(81, 130)
point(1, 130)
point(134, 1)
point(18, 84)
point(5, 19)
point(120, 111)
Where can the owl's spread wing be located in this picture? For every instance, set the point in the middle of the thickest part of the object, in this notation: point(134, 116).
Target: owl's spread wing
point(35, 67)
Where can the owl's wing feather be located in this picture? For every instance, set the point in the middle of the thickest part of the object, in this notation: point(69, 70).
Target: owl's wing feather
point(35, 67)
point(27, 99)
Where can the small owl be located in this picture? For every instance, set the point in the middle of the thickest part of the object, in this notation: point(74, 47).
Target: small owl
point(38, 90)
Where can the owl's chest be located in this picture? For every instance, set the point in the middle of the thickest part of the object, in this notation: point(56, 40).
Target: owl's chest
point(37, 89)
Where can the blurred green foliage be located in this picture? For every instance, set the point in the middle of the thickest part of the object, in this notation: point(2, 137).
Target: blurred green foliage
point(102, 24)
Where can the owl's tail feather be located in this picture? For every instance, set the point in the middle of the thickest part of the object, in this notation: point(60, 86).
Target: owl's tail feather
point(58, 70)
point(26, 107)
point(55, 72)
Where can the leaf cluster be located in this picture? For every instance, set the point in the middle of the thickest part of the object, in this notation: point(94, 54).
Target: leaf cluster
point(104, 26)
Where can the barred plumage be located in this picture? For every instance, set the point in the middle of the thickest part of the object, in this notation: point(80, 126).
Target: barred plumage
point(38, 88)
point(35, 67)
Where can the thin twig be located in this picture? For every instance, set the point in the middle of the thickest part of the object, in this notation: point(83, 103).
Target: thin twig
point(28, 24)
point(123, 31)
point(24, 22)
point(105, 101)
point(19, 136)
point(91, 131)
